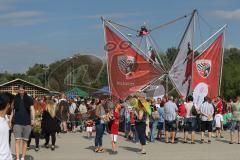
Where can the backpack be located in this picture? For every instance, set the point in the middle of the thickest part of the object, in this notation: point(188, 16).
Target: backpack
point(194, 111)
point(155, 115)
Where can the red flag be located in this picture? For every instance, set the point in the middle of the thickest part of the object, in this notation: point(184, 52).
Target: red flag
point(128, 71)
point(206, 69)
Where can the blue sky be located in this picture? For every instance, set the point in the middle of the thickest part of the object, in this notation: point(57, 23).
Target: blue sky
point(42, 31)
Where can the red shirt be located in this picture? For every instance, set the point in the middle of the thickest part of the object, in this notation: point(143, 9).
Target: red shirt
point(182, 110)
point(115, 124)
point(219, 106)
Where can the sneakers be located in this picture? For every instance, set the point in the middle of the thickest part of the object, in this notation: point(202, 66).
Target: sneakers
point(46, 146)
point(52, 147)
point(21, 159)
point(36, 149)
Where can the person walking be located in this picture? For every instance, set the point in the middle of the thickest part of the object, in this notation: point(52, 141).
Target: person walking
point(154, 120)
point(207, 111)
point(63, 109)
point(23, 119)
point(83, 111)
point(115, 126)
point(72, 118)
point(50, 124)
point(36, 130)
point(140, 124)
point(100, 115)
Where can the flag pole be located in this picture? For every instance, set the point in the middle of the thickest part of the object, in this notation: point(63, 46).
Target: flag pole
point(166, 85)
point(189, 23)
point(193, 42)
point(106, 55)
point(155, 46)
point(209, 39)
point(174, 84)
point(222, 60)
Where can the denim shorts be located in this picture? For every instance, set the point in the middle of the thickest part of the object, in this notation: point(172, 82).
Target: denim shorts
point(234, 125)
point(189, 124)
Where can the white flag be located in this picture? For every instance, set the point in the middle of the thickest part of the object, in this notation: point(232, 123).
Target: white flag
point(181, 71)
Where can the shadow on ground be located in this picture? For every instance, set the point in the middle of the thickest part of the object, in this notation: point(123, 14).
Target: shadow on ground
point(28, 157)
point(131, 149)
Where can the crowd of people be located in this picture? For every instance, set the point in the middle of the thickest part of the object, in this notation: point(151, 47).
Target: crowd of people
point(45, 117)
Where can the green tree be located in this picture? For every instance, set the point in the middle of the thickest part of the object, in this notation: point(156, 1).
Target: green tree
point(231, 73)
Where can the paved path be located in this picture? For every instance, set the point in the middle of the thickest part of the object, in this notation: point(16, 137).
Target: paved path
point(75, 146)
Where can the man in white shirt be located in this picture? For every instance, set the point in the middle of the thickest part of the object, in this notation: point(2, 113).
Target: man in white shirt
point(72, 109)
point(207, 111)
point(82, 107)
point(6, 103)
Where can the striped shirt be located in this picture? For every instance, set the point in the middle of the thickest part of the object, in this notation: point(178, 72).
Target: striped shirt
point(206, 109)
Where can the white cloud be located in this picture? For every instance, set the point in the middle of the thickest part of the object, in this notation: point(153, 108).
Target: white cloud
point(108, 15)
point(112, 15)
point(234, 14)
point(22, 18)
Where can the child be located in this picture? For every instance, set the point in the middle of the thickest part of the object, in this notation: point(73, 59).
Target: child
point(219, 124)
point(115, 127)
point(89, 125)
point(227, 119)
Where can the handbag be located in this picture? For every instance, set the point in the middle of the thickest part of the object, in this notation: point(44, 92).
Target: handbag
point(194, 111)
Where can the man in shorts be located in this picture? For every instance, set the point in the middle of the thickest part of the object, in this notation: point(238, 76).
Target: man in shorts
point(207, 111)
point(23, 119)
point(170, 111)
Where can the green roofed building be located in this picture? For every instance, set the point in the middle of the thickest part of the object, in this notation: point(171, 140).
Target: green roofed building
point(76, 92)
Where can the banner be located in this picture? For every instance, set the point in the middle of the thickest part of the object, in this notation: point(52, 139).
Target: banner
point(181, 71)
point(206, 71)
point(128, 70)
